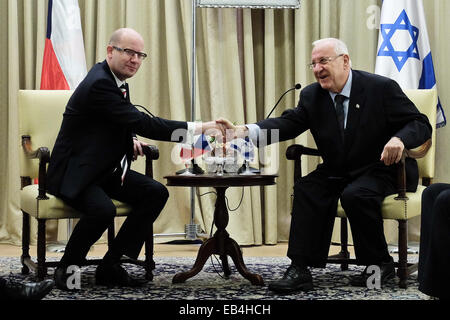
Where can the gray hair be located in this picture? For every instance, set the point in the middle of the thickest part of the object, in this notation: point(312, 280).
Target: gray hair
point(339, 46)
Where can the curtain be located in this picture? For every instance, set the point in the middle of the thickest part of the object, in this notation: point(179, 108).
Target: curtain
point(245, 60)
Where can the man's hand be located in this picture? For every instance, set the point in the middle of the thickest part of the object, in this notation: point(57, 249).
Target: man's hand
point(392, 152)
point(138, 148)
point(211, 128)
point(232, 131)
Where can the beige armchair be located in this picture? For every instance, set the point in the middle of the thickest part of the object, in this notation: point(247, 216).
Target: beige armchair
point(402, 206)
point(40, 116)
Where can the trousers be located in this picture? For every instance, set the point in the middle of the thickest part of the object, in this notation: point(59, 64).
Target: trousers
point(314, 211)
point(147, 198)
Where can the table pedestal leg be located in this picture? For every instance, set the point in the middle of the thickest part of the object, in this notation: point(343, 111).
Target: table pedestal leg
point(222, 245)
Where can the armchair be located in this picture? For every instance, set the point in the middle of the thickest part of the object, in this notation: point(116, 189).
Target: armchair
point(40, 114)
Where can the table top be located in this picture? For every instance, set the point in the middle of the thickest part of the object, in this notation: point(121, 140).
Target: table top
point(226, 180)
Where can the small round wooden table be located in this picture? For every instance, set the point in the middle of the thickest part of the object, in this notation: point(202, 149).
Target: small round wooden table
point(221, 243)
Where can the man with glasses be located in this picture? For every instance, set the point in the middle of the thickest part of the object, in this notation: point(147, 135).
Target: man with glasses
point(89, 163)
point(361, 124)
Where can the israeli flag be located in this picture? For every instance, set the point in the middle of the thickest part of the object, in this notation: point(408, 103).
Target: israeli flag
point(245, 147)
point(404, 52)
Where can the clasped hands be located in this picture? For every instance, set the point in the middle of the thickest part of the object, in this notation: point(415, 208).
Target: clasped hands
point(222, 129)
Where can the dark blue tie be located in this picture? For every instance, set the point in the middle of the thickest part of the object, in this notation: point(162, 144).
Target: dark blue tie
point(339, 99)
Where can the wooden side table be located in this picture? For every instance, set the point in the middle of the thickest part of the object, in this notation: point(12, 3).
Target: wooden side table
point(221, 243)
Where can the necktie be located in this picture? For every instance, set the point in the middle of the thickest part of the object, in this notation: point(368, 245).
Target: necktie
point(124, 162)
point(339, 99)
point(123, 88)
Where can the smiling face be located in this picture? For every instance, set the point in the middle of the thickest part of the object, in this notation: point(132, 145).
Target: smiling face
point(123, 65)
point(333, 75)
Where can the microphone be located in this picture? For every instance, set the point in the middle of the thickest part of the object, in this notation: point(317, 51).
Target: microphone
point(297, 86)
point(249, 170)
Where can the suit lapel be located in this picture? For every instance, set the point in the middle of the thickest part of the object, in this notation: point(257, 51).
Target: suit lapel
point(355, 107)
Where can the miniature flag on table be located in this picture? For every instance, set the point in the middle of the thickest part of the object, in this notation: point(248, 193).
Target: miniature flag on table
point(404, 52)
point(200, 147)
point(64, 63)
point(244, 146)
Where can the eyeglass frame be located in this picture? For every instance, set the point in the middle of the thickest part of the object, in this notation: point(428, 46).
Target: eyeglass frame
point(131, 52)
point(324, 60)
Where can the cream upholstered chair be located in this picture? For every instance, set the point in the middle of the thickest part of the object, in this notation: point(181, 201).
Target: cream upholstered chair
point(402, 206)
point(40, 116)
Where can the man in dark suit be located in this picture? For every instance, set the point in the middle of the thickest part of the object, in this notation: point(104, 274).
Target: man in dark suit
point(361, 123)
point(434, 253)
point(89, 163)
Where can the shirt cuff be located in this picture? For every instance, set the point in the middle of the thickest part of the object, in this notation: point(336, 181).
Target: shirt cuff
point(190, 132)
point(253, 132)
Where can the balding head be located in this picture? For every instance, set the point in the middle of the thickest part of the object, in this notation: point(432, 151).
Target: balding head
point(121, 33)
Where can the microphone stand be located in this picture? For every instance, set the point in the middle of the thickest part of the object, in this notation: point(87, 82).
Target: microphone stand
point(250, 170)
point(194, 168)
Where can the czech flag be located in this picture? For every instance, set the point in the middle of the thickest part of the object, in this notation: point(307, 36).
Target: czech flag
point(200, 147)
point(64, 63)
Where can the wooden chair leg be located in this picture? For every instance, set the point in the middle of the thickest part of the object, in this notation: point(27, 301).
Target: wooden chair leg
point(42, 268)
point(402, 270)
point(149, 262)
point(25, 242)
point(344, 243)
point(111, 234)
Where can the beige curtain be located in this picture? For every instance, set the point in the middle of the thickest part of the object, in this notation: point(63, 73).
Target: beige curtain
point(245, 60)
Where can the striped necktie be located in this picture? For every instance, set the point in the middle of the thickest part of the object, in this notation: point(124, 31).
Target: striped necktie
point(123, 88)
point(124, 162)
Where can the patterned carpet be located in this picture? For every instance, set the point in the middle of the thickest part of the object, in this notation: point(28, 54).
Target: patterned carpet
point(329, 284)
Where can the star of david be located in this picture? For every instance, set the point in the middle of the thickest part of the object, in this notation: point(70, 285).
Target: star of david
point(387, 49)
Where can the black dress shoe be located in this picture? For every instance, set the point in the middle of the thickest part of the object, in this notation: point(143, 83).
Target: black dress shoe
point(387, 272)
point(27, 291)
point(294, 279)
point(115, 275)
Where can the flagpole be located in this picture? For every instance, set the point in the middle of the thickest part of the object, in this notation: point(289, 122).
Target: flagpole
point(191, 228)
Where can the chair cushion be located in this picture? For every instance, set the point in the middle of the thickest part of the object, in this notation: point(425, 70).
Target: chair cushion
point(397, 209)
point(55, 208)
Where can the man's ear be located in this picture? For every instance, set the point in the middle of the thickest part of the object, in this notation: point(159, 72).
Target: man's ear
point(346, 60)
point(109, 50)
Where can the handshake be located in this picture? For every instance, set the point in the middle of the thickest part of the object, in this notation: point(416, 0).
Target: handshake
point(219, 142)
point(222, 129)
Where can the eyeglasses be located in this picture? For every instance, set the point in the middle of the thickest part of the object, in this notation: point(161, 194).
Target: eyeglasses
point(131, 53)
point(323, 61)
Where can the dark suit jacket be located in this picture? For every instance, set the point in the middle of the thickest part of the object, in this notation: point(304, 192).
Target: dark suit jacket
point(378, 110)
point(96, 132)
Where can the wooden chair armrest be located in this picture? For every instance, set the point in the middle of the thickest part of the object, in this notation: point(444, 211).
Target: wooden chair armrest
point(151, 153)
point(415, 153)
point(295, 151)
point(420, 151)
point(43, 154)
